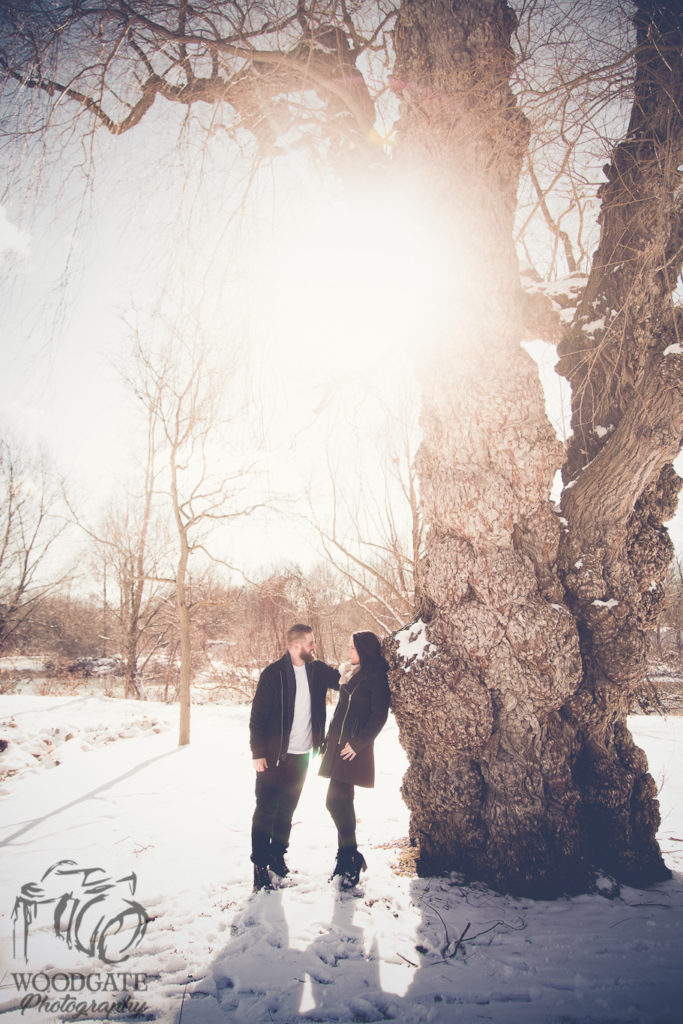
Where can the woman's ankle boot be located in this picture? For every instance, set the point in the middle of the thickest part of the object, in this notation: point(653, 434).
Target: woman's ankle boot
point(355, 864)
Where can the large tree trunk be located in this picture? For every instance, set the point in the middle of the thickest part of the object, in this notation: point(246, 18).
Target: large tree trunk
point(489, 786)
point(623, 357)
point(498, 786)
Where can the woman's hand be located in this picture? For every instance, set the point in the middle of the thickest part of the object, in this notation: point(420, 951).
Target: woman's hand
point(348, 753)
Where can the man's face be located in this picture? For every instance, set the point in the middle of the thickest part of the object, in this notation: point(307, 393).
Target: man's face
point(307, 648)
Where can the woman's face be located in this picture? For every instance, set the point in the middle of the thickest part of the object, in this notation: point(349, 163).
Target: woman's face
point(353, 653)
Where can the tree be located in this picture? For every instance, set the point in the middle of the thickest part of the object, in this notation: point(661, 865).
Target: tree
point(546, 780)
point(500, 653)
point(373, 537)
point(511, 697)
point(64, 627)
point(130, 544)
point(672, 615)
point(30, 525)
point(624, 359)
point(574, 77)
point(253, 618)
point(180, 393)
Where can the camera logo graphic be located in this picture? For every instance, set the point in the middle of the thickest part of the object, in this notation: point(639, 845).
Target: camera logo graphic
point(91, 911)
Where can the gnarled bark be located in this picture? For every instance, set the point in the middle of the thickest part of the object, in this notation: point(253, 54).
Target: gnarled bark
point(511, 698)
point(490, 785)
point(623, 357)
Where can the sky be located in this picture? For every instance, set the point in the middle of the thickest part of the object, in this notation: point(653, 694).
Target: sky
point(313, 310)
point(303, 345)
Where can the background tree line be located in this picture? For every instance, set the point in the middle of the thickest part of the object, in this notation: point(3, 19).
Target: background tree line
point(107, 601)
point(115, 614)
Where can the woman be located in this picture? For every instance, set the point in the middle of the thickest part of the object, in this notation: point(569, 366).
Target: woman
point(349, 759)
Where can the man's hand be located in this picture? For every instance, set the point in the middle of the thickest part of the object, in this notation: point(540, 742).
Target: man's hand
point(260, 764)
point(348, 753)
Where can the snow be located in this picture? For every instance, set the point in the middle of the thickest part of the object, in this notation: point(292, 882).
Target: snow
point(595, 325)
point(603, 431)
point(17, 663)
point(674, 350)
point(612, 603)
point(570, 286)
point(125, 798)
point(564, 293)
point(563, 288)
point(413, 643)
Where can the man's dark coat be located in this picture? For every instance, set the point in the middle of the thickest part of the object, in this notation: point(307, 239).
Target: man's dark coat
point(272, 710)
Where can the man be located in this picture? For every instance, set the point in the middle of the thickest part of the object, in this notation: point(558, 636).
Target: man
point(287, 721)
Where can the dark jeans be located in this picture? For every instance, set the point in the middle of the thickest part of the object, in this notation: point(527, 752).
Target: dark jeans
point(340, 805)
point(277, 793)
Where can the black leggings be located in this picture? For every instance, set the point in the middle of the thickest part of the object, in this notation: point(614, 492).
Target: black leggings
point(340, 805)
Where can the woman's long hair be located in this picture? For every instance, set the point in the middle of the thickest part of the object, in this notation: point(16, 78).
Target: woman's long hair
point(370, 652)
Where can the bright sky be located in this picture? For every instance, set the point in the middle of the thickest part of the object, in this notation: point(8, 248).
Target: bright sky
point(158, 231)
point(320, 341)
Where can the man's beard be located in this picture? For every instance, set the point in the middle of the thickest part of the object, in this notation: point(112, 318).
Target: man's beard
point(308, 657)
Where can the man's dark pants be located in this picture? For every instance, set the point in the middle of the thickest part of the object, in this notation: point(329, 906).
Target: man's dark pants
point(277, 793)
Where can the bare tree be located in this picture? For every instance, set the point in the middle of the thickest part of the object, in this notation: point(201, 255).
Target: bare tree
point(672, 615)
point(130, 556)
point(31, 522)
point(373, 534)
point(174, 380)
point(131, 548)
point(64, 626)
point(288, 595)
point(244, 60)
point(131, 545)
point(573, 77)
point(623, 355)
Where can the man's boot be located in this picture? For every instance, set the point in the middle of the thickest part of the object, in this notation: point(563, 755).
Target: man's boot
point(261, 878)
point(341, 865)
point(276, 861)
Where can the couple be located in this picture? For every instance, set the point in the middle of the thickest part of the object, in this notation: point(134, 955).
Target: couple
point(288, 721)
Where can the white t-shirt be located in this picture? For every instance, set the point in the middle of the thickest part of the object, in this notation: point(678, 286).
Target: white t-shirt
point(301, 736)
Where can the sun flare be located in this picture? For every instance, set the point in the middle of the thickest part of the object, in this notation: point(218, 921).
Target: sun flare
point(355, 279)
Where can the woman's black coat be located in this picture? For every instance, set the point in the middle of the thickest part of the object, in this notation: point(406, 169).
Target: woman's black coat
point(359, 716)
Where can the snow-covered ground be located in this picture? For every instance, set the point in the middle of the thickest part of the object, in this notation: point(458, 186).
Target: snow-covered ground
point(102, 783)
point(19, 663)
